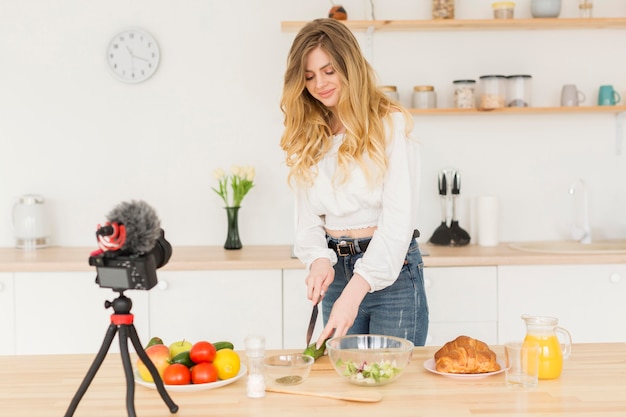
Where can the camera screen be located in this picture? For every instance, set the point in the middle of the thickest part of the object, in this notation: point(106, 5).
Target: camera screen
point(113, 277)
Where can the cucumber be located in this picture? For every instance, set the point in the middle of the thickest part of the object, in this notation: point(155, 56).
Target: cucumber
point(183, 358)
point(154, 341)
point(315, 353)
point(223, 345)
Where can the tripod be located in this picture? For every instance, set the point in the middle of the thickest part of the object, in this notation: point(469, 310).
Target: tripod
point(122, 320)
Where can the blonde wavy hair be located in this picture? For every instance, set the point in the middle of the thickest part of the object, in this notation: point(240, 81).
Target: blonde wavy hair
point(362, 108)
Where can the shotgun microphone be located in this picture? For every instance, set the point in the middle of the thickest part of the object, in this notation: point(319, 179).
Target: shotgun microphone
point(143, 227)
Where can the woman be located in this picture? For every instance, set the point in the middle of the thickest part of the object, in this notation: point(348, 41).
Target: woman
point(353, 168)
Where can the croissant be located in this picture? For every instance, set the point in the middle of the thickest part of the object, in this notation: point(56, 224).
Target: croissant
point(465, 355)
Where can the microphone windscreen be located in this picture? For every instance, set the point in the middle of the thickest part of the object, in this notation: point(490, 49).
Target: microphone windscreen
point(143, 227)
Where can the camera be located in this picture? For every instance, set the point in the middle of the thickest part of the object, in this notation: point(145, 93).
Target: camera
point(124, 270)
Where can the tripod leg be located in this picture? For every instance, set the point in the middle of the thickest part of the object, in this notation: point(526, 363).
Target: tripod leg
point(158, 382)
point(128, 371)
point(91, 373)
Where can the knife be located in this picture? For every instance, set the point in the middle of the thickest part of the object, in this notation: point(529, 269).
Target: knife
point(312, 321)
point(309, 332)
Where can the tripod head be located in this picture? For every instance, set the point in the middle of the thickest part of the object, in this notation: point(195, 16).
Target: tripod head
point(121, 305)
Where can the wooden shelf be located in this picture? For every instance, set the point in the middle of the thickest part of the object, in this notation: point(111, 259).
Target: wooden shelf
point(484, 24)
point(522, 110)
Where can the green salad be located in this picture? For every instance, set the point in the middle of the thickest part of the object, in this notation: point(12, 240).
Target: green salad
point(372, 373)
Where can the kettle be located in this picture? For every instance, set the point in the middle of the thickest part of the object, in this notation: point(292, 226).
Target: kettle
point(543, 331)
point(30, 222)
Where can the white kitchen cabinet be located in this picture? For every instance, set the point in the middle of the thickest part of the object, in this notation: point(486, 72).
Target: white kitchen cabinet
point(218, 305)
point(297, 310)
point(588, 300)
point(462, 301)
point(64, 313)
point(7, 322)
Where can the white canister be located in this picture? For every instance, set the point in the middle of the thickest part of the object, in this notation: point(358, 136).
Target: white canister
point(390, 91)
point(487, 220)
point(30, 222)
point(424, 97)
point(518, 90)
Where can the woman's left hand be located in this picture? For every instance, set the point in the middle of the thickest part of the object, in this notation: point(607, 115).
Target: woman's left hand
point(345, 309)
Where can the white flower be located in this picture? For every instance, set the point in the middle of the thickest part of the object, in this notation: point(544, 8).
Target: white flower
point(241, 181)
point(219, 174)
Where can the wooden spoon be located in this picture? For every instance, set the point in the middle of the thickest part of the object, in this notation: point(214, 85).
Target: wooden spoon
point(366, 395)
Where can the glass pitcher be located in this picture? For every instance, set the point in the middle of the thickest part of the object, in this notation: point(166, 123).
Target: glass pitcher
point(543, 330)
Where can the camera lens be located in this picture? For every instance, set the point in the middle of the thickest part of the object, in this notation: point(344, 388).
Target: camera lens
point(162, 251)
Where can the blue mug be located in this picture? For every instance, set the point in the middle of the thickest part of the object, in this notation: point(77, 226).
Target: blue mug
point(607, 96)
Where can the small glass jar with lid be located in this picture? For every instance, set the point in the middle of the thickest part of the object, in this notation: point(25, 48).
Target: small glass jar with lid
point(390, 91)
point(443, 9)
point(503, 9)
point(424, 97)
point(518, 88)
point(492, 92)
point(464, 94)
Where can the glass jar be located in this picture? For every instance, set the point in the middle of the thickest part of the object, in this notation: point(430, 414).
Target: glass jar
point(443, 9)
point(503, 9)
point(518, 90)
point(390, 91)
point(424, 97)
point(464, 94)
point(585, 8)
point(30, 222)
point(492, 91)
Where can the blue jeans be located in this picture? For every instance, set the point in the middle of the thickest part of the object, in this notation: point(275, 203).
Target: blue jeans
point(399, 310)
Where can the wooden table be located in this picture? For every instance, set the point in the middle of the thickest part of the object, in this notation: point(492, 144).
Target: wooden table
point(593, 384)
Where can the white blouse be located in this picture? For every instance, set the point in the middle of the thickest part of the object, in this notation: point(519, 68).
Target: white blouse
point(390, 205)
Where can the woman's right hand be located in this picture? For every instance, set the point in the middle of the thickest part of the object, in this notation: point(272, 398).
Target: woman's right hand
point(320, 277)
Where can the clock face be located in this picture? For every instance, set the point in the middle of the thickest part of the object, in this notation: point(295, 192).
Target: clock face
point(133, 55)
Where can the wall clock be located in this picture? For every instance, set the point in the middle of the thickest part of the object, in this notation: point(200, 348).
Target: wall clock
point(133, 55)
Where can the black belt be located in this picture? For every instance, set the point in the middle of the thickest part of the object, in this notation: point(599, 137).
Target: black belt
point(347, 247)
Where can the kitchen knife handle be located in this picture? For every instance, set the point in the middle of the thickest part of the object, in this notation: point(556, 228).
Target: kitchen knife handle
point(443, 184)
point(456, 183)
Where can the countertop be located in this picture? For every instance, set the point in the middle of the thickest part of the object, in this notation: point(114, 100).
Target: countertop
point(185, 258)
point(592, 384)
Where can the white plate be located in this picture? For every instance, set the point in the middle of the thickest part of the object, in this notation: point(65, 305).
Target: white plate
point(194, 387)
point(430, 366)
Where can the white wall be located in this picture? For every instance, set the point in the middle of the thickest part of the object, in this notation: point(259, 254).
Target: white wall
point(85, 141)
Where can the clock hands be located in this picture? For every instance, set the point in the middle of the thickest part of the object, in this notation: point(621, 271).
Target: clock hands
point(130, 51)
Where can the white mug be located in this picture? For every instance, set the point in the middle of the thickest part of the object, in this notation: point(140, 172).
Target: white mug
point(571, 96)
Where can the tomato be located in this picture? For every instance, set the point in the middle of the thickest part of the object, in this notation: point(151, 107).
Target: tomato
point(202, 352)
point(203, 372)
point(176, 374)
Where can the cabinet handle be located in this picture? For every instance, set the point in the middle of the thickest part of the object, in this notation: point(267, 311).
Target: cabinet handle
point(162, 285)
point(615, 278)
point(1, 287)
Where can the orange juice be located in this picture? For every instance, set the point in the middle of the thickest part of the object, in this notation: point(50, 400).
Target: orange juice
point(550, 355)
